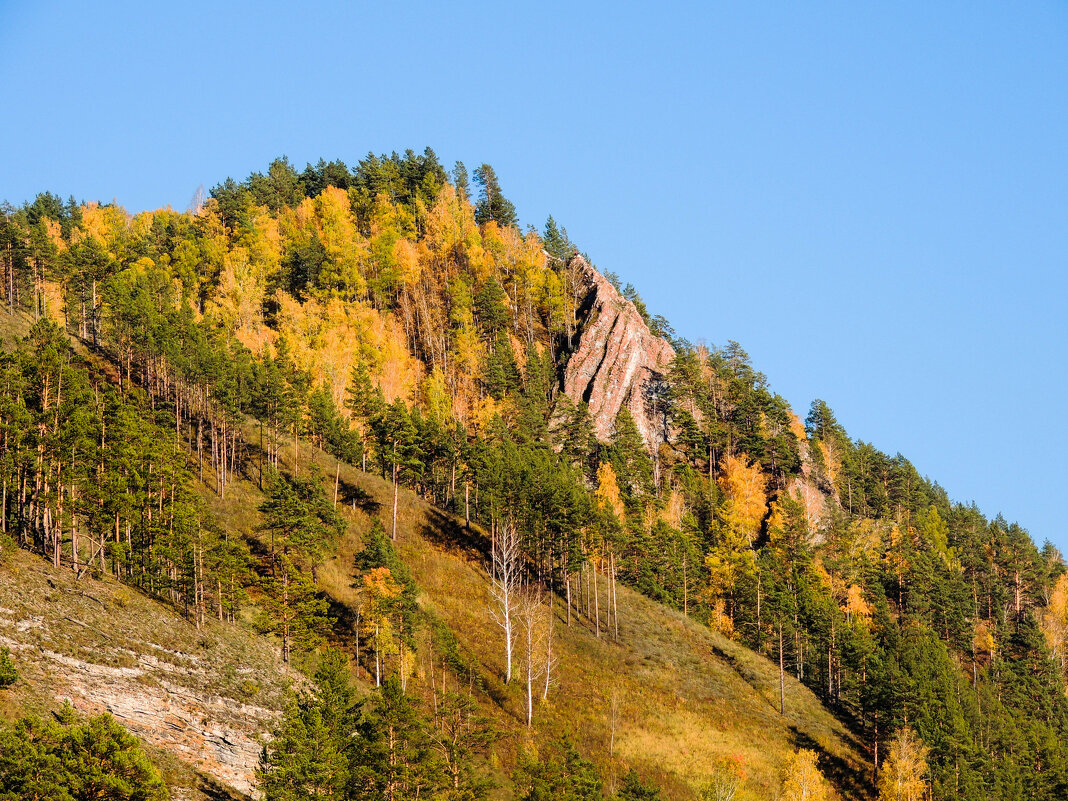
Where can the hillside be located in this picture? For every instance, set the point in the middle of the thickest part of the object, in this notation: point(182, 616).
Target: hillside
point(201, 699)
point(686, 695)
point(169, 379)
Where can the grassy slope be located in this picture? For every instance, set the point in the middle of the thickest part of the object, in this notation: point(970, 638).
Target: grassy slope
point(685, 694)
point(199, 699)
point(107, 647)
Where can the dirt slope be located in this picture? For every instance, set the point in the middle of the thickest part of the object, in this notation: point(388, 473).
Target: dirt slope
point(199, 699)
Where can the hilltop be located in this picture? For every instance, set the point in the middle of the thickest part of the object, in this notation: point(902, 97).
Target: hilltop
point(486, 407)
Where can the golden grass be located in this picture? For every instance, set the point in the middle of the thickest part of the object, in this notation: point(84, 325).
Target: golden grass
point(686, 694)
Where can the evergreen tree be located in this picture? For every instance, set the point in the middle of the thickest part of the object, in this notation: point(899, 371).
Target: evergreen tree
point(559, 774)
point(492, 204)
point(300, 525)
point(65, 759)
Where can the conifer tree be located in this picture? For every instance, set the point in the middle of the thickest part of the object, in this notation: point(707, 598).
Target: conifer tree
point(492, 206)
point(8, 674)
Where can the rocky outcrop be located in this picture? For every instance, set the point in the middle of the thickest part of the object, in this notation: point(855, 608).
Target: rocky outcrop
point(618, 362)
point(208, 697)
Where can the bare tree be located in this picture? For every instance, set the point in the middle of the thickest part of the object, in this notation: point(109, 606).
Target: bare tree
point(531, 614)
point(613, 721)
point(197, 203)
point(506, 579)
point(550, 657)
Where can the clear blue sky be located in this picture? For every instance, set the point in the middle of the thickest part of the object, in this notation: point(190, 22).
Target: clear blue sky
point(873, 200)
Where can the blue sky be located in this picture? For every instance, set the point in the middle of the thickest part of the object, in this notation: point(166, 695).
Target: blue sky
point(872, 200)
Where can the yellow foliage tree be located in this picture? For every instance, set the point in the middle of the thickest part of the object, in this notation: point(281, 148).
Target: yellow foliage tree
point(903, 776)
point(345, 248)
point(607, 492)
point(214, 238)
point(855, 606)
point(1054, 622)
point(674, 509)
point(106, 224)
point(406, 258)
point(452, 237)
point(802, 779)
point(435, 397)
point(380, 589)
point(745, 486)
point(238, 302)
point(328, 338)
point(983, 645)
point(831, 459)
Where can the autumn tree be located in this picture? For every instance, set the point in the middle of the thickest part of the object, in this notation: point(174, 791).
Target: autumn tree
point(726, 780)
point(903, 776)
point(802, 779)
point(1054, 622)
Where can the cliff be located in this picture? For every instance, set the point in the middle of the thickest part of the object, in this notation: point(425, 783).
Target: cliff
point(204, 697)
point(618, 363)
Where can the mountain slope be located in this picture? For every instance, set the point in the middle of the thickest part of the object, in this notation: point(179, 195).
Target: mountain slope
point(379, 314)
point(200, 699)
point(685, 694)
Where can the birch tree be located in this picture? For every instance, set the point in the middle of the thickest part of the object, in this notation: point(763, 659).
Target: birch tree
point(803, 781)
point(904, 774)
point(532, 629)
point(504, 590)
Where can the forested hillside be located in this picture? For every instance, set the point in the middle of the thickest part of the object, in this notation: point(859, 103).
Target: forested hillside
point(176, 375)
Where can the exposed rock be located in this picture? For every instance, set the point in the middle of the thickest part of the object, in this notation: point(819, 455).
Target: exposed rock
point(619, 362)
point(184, 696)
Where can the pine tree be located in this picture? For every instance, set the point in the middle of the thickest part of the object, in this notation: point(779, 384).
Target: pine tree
point(492, 204)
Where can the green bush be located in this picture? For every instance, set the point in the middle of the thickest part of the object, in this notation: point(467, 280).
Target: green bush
point(8, 674)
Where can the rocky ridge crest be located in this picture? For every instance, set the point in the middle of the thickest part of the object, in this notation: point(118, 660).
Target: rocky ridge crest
point(618, 362)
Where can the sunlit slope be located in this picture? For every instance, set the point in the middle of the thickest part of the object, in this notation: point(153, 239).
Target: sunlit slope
point(200, 700)
point(684, 694)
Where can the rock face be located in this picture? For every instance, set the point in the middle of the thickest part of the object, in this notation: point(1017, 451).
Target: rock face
point(205, 696)
point(619, 361)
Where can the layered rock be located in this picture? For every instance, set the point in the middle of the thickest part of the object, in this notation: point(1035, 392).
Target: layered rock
point(618, 362)
point(208, 696)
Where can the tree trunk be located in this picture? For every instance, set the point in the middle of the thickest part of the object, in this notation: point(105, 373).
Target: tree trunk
point(615, 602)
point(285, 615)
point(782, 676)
point(567, 585)
point(596, 605)
point(393, 536)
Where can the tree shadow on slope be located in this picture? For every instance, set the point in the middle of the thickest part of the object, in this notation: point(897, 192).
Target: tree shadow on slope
point(211, 789)
point(449, 535)
point(348, 494)
point(346, 622)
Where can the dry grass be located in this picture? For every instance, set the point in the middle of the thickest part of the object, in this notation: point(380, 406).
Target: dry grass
point(686, 694)
point(110, 648)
